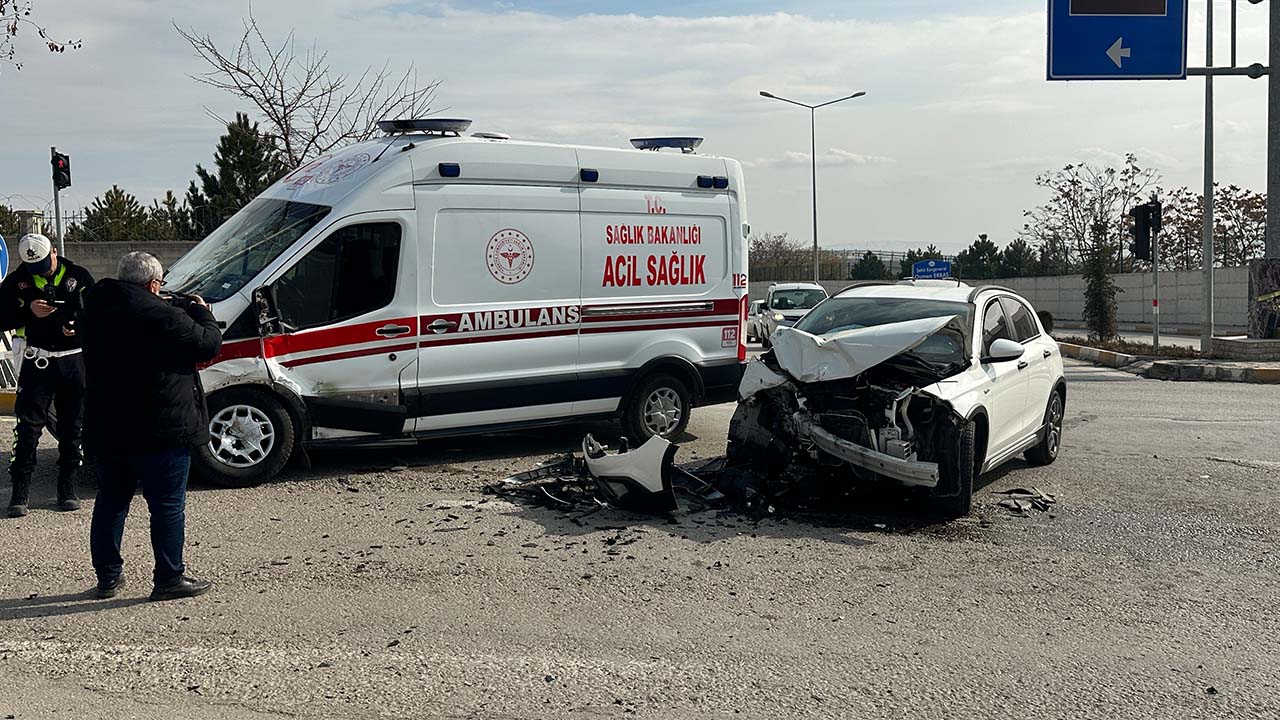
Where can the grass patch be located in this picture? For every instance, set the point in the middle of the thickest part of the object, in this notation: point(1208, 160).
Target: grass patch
point(1133, 348)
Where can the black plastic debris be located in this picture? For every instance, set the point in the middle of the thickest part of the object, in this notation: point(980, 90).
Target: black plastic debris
point(1021, 501)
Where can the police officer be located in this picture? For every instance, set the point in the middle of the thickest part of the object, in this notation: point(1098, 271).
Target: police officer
point(41, 298)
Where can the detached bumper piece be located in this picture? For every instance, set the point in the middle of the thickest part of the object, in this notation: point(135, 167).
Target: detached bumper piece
point(645, 480)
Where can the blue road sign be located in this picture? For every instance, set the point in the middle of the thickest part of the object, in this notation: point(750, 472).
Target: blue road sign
point(4, 258)
point(1117, 39)
point(931, 270)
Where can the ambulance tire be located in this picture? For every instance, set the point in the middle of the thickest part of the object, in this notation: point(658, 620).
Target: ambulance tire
point(659, 399)
point(254, 405)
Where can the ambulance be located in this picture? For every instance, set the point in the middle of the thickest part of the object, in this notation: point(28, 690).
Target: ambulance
point(431, 283)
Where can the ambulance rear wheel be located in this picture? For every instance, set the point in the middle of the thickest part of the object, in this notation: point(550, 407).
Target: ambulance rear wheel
point(659, 405)
point(252, 437)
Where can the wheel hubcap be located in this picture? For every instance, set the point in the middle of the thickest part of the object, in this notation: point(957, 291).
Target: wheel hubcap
point(662, 411)
point(243, 436)
point(1055, 424)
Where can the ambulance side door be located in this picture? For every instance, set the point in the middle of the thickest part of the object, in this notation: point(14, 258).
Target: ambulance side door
point(499, 304)
point(347, 321)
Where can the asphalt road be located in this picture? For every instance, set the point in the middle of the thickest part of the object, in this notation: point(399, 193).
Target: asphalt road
point(384, 584)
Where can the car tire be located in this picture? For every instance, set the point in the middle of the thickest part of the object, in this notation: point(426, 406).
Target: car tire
point(236, 459)
point(764, 343)
point(1051, 439)
point(659, 405)
point(955, 486)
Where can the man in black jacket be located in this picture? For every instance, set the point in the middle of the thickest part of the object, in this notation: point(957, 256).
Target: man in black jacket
point(40, 299)
point(144, 412)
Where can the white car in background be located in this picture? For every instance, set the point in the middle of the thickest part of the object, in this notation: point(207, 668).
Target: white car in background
point(925, 383)
point(785, 304)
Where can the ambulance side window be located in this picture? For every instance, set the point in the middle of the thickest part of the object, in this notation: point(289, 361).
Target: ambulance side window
point(350, 273)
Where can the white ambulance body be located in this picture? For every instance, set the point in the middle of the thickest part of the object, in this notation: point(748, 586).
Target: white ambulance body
point(428, 283)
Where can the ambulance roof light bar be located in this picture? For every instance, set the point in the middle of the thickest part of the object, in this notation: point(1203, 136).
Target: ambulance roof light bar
point(686, 145)
point(437, 126)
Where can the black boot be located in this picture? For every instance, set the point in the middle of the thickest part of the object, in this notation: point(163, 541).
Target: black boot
point(21, 495)
point(67, 500)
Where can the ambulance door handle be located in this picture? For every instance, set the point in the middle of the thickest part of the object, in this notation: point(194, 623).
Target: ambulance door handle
point(390, 331)
point(441, 325)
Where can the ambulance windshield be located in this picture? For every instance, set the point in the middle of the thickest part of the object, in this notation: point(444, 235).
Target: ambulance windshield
point(240, 248)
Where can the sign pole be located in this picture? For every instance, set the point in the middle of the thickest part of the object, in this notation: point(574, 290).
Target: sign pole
point(1206, 291)
point(1155, 300)
point(1273, 139)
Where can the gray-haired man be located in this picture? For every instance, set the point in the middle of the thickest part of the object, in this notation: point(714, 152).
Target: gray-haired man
point(144, 412)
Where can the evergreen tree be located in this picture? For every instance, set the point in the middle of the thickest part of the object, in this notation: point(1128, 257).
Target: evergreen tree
point(9, 225)
point(980, 260)
point(115, 216)
point(246, 163)
point(1099, 287)
point(171, 219)
point(869, 267)
point(1017, 260)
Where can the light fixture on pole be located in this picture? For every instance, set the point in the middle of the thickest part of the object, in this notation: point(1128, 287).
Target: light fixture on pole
point(813, 155)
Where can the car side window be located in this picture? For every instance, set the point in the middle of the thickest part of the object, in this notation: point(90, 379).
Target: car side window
point(994, 325)
point(350, 273)
point(1024, 326)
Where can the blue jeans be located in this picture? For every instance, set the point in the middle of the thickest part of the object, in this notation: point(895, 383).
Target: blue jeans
point(163, 477)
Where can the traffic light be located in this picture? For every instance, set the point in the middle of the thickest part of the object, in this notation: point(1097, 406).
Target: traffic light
point(61, 171)
point(1141, 245)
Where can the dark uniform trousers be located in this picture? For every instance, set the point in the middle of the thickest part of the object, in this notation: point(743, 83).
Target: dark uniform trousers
point(60, 385)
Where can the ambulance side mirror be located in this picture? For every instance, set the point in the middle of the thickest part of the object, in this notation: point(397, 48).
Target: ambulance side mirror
point(265, 308)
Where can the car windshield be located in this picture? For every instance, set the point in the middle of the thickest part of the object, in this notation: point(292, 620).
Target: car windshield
point(948, 347)
point(240, 248)
point(796, 299)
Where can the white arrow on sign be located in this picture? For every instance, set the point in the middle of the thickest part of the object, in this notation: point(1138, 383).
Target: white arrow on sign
point(1118, 52)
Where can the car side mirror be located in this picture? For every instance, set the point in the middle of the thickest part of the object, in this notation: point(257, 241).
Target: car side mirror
point(1003, 350)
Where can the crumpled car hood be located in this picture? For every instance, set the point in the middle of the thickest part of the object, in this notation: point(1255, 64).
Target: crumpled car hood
point(811, 358)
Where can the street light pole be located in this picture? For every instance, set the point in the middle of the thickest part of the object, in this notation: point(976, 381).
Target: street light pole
point(813, 157)
point(1273, 138)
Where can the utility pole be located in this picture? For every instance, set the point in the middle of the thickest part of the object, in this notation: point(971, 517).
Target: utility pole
point(1273, 138)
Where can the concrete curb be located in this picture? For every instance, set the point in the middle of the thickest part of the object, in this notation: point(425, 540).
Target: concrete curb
point(1105, 358)
point(1195, 370)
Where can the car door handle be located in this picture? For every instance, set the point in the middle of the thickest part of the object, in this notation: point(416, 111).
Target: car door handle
point(390, 331)
point(441, 326)
point(1048, 353)
point(1022, 364)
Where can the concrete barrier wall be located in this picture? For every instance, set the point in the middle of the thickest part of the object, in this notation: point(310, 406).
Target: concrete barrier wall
point(100, 258)
point(1179, 292)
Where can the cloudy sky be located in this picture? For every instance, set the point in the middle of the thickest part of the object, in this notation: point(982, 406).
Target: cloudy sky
point(957, 121)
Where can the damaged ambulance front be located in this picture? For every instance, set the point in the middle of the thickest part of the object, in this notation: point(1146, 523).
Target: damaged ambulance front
point(868, 388)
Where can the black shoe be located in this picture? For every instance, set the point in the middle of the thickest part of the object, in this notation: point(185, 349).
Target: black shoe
point(17, 511)
point(18, 500)
point(67, 500)
point(107, 590)
point(183, 587)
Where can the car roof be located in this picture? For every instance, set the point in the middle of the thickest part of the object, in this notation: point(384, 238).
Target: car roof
point(797, 286)
point(947, 290)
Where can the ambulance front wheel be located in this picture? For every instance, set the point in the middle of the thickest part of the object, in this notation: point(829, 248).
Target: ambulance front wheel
point(252, 437)
point(660, 405)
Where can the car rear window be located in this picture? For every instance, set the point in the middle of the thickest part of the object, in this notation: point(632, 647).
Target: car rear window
point(1024, 326)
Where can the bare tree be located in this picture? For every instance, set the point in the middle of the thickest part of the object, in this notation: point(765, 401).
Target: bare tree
point(308, 107)
point(1087, 206)
point(14, 16)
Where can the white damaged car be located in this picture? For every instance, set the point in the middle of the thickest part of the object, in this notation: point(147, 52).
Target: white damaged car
point(925, 383)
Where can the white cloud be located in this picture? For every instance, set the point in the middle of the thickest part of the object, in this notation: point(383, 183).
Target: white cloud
point(834, 157)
